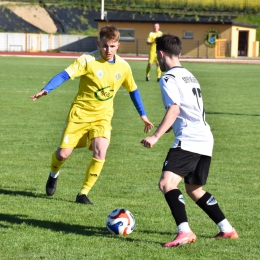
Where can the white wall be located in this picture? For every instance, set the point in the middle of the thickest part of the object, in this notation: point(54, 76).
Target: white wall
point(46, 42)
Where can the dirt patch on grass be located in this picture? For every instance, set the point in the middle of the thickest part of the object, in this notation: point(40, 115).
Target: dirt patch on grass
point(36, 15)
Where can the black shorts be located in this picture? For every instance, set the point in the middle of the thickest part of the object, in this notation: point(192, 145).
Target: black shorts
point(192, 166)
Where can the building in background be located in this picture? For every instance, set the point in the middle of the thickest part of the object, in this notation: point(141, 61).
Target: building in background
point(202, 36)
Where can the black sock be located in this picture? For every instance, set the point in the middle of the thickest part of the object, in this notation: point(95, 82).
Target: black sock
point(210, 206)
point(176, 203)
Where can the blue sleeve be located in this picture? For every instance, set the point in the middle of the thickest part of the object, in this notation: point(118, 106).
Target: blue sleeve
point(137, 100)
point(56, 81)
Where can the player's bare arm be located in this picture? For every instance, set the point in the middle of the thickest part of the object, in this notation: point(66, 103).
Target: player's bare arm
point(169, 130)
point(38, 95)
point(168, 120)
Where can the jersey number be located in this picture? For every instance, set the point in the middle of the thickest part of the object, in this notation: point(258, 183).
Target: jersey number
point(197, 93)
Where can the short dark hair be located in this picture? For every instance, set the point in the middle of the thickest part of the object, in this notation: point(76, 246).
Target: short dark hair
point(169, 43)
point(109, 32)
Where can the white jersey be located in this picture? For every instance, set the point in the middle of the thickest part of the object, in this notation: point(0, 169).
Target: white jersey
point(179, 86)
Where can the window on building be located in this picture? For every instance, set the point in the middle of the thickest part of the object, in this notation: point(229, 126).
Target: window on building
point(188, 34)
point(127, 34)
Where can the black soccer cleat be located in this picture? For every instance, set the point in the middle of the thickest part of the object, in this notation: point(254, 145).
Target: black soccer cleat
point(51, 185)
point(83, 199)
point(158, 79)
point(147, 79)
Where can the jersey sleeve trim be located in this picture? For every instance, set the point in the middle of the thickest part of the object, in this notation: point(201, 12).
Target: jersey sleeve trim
point(56, 81)
point(137, 100)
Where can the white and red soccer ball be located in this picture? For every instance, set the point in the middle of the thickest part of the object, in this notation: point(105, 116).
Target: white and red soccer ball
point(120, 222)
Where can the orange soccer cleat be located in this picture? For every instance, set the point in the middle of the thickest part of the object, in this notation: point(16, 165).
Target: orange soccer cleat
point(181, 239)
point(233, 235)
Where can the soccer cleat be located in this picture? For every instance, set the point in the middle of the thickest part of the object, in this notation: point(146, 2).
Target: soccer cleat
point(147, 79)
point(158, 79)
point(233, 235)
point(51, 185)
point(83, 199)
point(181, 239)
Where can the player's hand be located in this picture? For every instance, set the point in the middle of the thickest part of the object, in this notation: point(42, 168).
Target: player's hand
point(148, 125)
point(38, 95)
point(149, 141)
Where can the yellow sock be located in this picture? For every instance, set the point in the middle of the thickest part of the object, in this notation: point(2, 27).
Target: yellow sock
point(93, 171)
point(55, 163)
point(159, 72)
point(148, 68)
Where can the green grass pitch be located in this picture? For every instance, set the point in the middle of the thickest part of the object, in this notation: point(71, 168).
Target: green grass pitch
point(34, 226)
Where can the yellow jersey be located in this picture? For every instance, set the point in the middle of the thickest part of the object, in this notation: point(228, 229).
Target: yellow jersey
point(151, 39)
point(99, 83)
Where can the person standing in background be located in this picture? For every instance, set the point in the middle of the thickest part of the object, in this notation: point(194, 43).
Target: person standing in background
point(152, 52)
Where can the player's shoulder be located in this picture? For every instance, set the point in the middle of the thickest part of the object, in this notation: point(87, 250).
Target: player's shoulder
point(174, 75)
point(167, 78)
point(152, 34)
point(89, 56)
point(174, 72)
point(121, 60)
point(180, 75)
point(178, 71)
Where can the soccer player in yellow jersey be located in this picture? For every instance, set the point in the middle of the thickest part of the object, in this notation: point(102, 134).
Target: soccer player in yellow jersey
point(152, 52)
point(101, 73)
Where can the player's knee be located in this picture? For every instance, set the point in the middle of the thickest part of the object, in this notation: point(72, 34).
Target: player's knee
point(99, 154)
point(160, 186)
point(195, 194)
point(163, 186)
point(190, 194)
point(62, 153)
point(100, 146)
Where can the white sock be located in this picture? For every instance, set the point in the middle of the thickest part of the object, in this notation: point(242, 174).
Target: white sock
point(184, 227)
point(224, 226)
point(54, 175)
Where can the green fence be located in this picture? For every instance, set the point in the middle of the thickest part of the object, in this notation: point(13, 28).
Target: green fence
point(155, 5)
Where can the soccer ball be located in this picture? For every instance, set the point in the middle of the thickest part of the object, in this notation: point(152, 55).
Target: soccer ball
point(120, 222)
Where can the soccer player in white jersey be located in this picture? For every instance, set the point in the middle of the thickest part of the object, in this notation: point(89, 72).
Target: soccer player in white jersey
point(190, 155)
point(102, 72)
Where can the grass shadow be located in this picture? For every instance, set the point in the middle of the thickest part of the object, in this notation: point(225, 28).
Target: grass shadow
point(31, 194)
point(20, 193)
point(65, 228)
point(54, 226)
point(230, 114)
